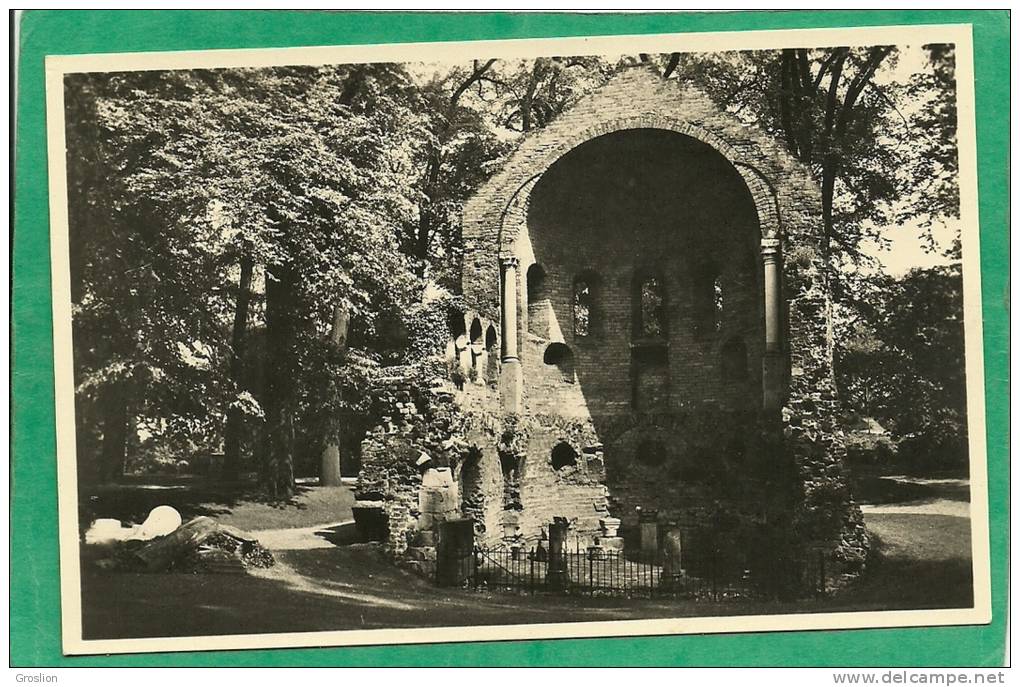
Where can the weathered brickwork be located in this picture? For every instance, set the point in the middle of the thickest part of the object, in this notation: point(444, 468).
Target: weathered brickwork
point(647, 178)
point(642, 369)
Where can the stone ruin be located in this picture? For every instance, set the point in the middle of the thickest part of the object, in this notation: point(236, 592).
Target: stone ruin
point(646, 324)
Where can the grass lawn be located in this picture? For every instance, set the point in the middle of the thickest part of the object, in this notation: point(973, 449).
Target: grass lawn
point(239, 507)
point(922, 561)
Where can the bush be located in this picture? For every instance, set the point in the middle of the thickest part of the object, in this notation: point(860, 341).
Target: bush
point(922, 454)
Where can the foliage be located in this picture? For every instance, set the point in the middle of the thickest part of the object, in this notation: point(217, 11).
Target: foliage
point(428, 327)
point(298, 167)
point(903, 364)
point(514, 436)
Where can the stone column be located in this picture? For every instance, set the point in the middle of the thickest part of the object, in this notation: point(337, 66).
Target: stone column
point(509, 314)
point(510, 377)
point(772, 362)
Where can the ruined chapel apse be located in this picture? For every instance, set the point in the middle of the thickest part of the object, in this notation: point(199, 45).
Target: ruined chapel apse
point(642, 307)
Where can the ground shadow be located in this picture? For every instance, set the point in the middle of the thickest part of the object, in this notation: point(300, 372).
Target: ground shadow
point(340, 535)
point(898, 582)
point(894, 489)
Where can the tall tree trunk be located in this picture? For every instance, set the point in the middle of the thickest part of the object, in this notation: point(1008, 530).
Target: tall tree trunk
point(239, 339)
point(433, 167)
point(115, 433)
point(329, 474)
point(277, 465)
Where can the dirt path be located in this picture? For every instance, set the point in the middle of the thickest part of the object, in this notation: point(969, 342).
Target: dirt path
point(324, 536)
point(959, 509)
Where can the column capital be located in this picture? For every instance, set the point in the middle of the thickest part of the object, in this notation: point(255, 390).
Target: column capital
point(509, 261)
point(769, 248)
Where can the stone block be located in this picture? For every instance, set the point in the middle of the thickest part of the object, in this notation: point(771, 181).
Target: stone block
point(438, 499)
point(612, 543)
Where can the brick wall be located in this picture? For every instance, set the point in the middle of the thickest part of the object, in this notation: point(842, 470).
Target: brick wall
point(612, 188)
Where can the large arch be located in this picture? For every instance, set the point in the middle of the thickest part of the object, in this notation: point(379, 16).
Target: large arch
point(515, 211)
point(514, 218)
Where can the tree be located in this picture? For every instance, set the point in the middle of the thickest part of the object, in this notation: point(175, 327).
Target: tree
point(238, 344)
point(870, 142)
point(213, 171)
point(533, 93)
point(144, 266)
point(904, 364)
point(933, 174)
point(459, 153)
point(332, 151)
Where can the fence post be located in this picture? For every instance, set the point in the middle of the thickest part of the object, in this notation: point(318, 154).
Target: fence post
point(474, 568)
point(531, 573)
point(558, 572)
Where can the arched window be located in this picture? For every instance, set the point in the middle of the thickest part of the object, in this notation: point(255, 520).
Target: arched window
point(585, 296)
point(649, 307)
point(476, 331)
point(717, 303)
point(651, 452)
point(471, 496)
point(733, 360)
point(563, 456)
point(536, 283)
point(492, 356)
point(562, 357)
point(455, 319)
point(707, 300)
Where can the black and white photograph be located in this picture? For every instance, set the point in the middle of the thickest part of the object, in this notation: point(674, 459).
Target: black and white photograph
point(524, 339)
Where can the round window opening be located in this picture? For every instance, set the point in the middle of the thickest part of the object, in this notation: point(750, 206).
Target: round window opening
point(651, 452)
point(563, 456)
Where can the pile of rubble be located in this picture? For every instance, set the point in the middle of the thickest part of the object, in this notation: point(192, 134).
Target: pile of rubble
point(164, 544)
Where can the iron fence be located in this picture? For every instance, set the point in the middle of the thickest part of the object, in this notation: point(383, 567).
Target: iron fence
point(592, 572)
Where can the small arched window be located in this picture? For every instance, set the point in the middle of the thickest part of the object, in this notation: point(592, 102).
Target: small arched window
point(536, 283)
point(708, 300)
point(492, 356)
point(563, 456)
point(733, 360)
point(717, 303)
point(455, 319)
point(649, 307)
point(585, 296)
point(476, 331)
point(562, 357)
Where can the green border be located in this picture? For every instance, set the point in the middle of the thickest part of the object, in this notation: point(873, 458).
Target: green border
point(35, 594)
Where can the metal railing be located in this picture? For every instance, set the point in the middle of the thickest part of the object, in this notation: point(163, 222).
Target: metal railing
point(592, 572)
